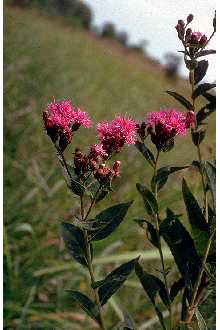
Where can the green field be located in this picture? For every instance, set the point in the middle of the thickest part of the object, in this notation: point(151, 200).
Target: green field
point(46, 58)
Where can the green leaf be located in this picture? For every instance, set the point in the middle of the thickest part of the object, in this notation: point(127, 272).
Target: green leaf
point(152, 286)
point(94, 189)
point(210, 171)
point(198, 136)
point(150, 231)
point(86, 304)
point(150, 202)
point(74, 240)
point(200, 71)
point(77, 188)
point(114, 281)
point(206, 52)
point(101, 195)
point(109, 220)
point(181, 245)
point(204, 112)
point(163, 174)
point(145, 152)
point(201, 322)
point(201, 89)
point(211, 98)
point(200, 228)
point(176, 288)
point(72, 182)
point(181, 99)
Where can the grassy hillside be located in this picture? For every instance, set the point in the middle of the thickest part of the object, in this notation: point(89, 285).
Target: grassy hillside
point(44, 58)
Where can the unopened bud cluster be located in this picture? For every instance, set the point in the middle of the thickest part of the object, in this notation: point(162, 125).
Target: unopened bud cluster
point(93, 163)
point(192, 41)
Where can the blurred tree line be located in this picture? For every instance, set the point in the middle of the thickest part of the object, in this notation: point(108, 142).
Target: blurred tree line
point(70, 9)
point(77, 12)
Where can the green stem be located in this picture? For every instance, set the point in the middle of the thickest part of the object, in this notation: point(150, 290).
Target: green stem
point(192, 306)
point(205, 199)
point(64, 162)
point(159, 241)
point(89, 257)
point(88, 247)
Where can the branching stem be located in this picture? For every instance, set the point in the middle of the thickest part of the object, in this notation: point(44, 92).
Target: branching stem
point(159, 241)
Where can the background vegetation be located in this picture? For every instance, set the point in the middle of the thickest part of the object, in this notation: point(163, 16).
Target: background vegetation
point(46, 58)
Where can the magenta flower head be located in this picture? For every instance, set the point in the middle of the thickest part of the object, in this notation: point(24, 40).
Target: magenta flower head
point(61, 119)
point(115, 134)
point(164, 125)
point(97, 151)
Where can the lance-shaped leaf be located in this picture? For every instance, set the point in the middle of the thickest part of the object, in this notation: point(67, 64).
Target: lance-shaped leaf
point(145, 152)
point(163, 174)
point(206, 52)
point(181, 99)
point(200, 228)
point(109, 220)
point(204, 112)
point(74, 240)
point(211, 98)
point(198, 136)
point(77, 188)
point(176, 288)
point(201, 89)
point(200, 71)
point(210, 171)
point(98, 192)
point(86, 304)
point(150, 202)
point(152, 286)
point(181, 245)
point(114, 280)
point(150, 231)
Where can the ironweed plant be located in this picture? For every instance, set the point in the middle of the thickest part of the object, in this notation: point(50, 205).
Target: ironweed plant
point(91, 177)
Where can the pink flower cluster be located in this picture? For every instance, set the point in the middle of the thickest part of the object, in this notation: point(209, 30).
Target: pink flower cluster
point(62, 118)
point(166, 124)
point(97, 151)
point(198, 38)
point(115, 134)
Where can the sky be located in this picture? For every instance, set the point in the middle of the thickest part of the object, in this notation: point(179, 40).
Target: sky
point(154, 21)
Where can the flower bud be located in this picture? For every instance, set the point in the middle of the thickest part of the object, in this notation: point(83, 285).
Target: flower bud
point(93, 165)
point(189, 18)
point(79, 160)
point(181, 23)
point(116, 167)
point(102, 166)
point(188, 34)
point(141, 130)
point(203, 40)
point(180, 30)
point(194, 39)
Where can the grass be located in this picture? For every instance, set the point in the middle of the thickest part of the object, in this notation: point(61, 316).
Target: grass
point(45, 58)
